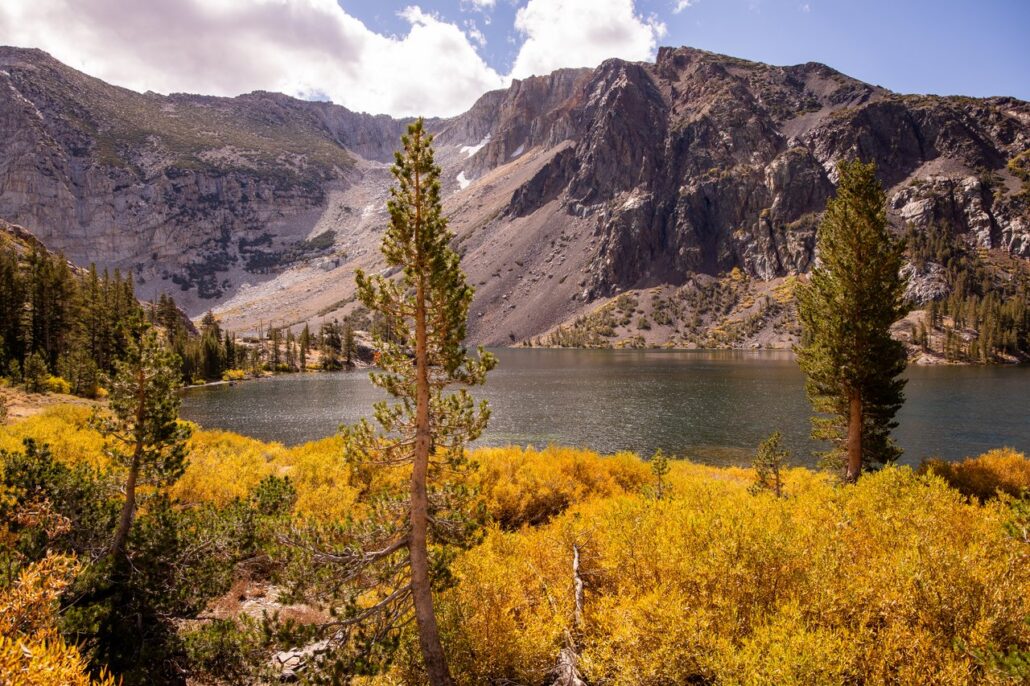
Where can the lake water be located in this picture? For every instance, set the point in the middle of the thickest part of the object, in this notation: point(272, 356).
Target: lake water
point(711, 406)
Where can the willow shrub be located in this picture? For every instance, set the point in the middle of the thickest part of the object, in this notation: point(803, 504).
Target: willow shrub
point(65, 429)
point(896, 580)
point(1002, 470)
point(529, 487)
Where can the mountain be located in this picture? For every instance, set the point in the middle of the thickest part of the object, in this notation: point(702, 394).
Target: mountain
point(672, 202)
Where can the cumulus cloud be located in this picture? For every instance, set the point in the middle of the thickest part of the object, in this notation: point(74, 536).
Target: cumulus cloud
point(682, 5)
point(582, 33)
point(228, 47)
point(314, 49)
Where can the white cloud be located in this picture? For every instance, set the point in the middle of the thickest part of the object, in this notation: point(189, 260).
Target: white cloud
point(228, 47)
point(581, 33)
point(682, 5)
point(474, 34)
point(314, 49)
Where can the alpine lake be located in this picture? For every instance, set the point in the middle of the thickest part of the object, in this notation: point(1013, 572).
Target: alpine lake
point(707, 406)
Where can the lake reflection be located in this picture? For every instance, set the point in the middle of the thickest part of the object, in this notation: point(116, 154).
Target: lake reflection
point(712, 406)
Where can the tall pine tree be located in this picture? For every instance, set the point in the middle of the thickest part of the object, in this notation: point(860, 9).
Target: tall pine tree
point(143, 432)
point(846, 308)
point(426, 310)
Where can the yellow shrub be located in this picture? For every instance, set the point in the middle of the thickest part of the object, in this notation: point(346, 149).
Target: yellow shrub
point(56, 384)
point(503, 621)
point(32, 653)
point(65, 428)
point(223, 465)
point(527, 486)
point(982, 477)
point(234, 375)
point(322, 479)
point(894, 580)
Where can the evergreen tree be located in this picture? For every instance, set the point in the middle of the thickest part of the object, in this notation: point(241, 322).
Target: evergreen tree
point(427, 308)
point(212, 360)
point(143, 432)
point(332, 345)
point(768, 463)
point(12, 305)
point(35, 373)
point(304, 346)
point(660, 469)
point(275, 338)
point(229, 353)
point(349, 344)
point(854, 294)
point(80, 370)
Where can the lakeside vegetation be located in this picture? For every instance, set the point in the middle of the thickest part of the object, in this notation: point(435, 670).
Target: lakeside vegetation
point(897, 579)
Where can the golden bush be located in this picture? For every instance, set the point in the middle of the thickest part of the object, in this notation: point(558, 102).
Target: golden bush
point(894, 580)
point(31, 651)
point(983, 477)
point(65, 428)
point(898, 579)
point(528, 487)
point(223, 465)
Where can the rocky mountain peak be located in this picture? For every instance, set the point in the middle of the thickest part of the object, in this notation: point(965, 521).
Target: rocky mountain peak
point(565, 190)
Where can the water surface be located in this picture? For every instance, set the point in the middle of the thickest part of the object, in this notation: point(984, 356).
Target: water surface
point(712, 406)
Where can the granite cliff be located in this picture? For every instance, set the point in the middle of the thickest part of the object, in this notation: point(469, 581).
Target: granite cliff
point(634, 204)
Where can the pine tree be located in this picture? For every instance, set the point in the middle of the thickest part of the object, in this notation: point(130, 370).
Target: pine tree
point(291, 351)
point(143, 433)
point(768, 463)
point(854, 294)
point(35, 373)
point(332, 345)
point(348, 344)
point(660, 469)
point(275, 337)
point(304, 344)
point(426, 311)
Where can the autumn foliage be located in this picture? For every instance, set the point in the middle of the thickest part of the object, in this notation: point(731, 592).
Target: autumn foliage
point(898, 579)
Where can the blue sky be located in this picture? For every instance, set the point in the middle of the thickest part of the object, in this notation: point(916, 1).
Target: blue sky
point(979, 47)
point(436, 57)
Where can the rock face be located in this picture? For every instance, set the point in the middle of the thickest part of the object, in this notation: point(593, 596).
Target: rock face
point(190, 193)
point(564, 190)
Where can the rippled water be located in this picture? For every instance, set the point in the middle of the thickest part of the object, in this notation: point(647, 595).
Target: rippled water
point(713, 406)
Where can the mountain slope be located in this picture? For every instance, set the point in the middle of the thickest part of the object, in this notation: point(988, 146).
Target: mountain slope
point(692, 185)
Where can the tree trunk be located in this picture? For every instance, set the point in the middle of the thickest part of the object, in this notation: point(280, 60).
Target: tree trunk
point(129, 507)
point(566, 671)
point(855, 421)
point(421, 591)
point(128, 510)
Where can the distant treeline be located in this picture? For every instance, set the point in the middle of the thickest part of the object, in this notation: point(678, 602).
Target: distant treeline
point(56, 320)
point(63, 329)
point(985, 313)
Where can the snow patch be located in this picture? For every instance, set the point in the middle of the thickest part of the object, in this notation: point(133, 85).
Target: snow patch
point(462, 181)
point(470, 150)
point(518, 151)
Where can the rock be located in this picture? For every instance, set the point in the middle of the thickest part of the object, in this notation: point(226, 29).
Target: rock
point(633, 174)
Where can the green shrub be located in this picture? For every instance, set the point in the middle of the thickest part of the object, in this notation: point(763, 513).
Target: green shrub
point(35, 373)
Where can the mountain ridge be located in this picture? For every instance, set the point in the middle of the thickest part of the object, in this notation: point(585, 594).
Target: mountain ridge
point(565, 191)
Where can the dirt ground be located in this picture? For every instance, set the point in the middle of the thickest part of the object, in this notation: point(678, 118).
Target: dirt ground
point(21, 404)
